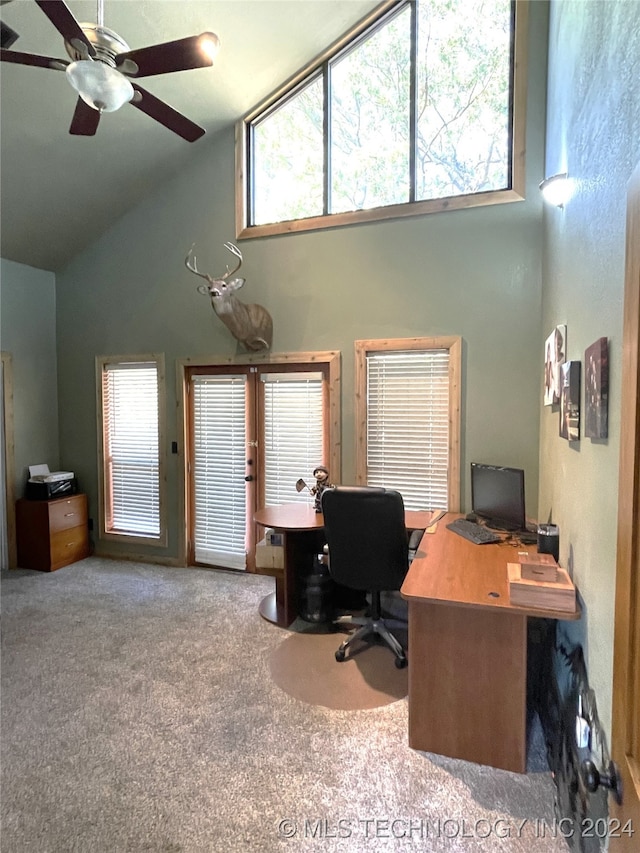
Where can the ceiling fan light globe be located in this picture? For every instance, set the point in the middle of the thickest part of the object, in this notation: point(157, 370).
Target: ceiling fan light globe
point(99, 85)
point(209, 44)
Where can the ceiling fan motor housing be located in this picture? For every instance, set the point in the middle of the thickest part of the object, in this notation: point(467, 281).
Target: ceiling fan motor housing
point(102, 62)
point(107, 44)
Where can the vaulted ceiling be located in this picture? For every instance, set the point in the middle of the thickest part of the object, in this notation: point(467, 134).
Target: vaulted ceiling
point(60, 192)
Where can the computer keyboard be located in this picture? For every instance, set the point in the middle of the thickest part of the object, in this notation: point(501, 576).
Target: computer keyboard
point(475, 533)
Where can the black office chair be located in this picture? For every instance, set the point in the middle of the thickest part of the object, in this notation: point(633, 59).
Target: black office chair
point(368, 548)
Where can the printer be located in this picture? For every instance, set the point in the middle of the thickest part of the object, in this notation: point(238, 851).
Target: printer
point(44, 485)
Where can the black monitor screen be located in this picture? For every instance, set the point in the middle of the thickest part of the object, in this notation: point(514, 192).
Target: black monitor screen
point(497, 495)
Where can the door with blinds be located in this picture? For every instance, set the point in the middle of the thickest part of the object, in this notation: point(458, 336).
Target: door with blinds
point(217, 469)
point(253, 431)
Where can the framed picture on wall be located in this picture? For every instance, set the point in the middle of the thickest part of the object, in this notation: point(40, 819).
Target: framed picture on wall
point(570, 400)
point(555, 349)
point(596, 389)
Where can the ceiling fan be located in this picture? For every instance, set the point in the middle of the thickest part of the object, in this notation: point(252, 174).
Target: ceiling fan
point(102, 63)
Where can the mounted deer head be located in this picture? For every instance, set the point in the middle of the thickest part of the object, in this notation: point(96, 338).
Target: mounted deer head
point(249, 324)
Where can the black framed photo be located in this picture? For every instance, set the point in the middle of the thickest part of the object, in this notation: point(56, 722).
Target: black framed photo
point(570, 400)
point(596, 389)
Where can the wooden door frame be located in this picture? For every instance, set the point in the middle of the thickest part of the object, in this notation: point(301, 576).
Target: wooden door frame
point(9, 457)
point(328, 357)
point(626, 667)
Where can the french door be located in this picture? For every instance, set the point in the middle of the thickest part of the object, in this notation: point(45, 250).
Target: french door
point(252, 431)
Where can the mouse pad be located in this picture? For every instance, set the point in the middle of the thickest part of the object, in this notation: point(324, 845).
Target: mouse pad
point(304, 666)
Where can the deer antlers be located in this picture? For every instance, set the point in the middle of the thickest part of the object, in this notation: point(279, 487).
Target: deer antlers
point(249, 324)
point(191, 264)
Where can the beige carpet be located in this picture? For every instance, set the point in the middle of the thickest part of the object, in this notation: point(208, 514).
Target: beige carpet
point(304, 666)
point(139, 714)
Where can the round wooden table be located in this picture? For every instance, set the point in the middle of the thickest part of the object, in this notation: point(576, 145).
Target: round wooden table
point(302, 527)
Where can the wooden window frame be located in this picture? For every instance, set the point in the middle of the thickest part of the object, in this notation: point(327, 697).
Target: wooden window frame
point(516, 191)
point(451, 343)
point(103, 533)
point(9, 457)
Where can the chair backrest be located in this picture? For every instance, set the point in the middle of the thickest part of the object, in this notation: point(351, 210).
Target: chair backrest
point(367, 538)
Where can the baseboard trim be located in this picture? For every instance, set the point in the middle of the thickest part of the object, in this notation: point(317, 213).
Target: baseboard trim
point(153, 559)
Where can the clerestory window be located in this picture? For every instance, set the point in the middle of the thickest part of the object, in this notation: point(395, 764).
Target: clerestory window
point(420, 108)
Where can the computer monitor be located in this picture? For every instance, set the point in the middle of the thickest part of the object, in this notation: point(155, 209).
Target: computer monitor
point(497, 496)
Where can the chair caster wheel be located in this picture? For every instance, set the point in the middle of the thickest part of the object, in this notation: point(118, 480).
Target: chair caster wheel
point(401, 663)
point(340, 655)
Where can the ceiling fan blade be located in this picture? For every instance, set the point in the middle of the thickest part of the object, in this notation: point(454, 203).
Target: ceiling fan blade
point(85, 120)
point(33, 59)
point(181, 55)
point(7, 35)
point(166, 115)
point(64, 21)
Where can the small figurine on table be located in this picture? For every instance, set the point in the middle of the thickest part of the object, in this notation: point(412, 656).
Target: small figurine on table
point(322, 482)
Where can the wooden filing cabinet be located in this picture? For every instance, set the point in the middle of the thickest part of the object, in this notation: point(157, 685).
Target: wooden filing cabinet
point(52, 534)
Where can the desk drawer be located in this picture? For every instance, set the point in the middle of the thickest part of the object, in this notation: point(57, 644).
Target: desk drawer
point(67, 546)
point(67, 513)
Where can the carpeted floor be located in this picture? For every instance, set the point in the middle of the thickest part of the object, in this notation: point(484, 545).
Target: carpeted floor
point(139, 714)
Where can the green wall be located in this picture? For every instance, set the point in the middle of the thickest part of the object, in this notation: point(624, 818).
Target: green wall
point(593, 132)
point(474, 273)
point(28, 332)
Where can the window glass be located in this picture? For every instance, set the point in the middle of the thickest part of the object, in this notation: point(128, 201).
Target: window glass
point(294, 416)
point(463, 97)
point(407, 399)
point(288, 157)
point(418, 109)
point(409, 454)
point(370, 129)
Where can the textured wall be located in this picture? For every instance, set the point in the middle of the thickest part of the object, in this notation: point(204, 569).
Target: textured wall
point(28, 332)
point(593, 132)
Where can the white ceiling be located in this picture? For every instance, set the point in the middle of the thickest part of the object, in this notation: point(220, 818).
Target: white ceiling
point(60, 192)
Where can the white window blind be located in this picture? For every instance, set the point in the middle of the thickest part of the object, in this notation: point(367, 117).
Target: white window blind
point(131, 447)
point(408, 425)
point(219, 430)
point(293, 434)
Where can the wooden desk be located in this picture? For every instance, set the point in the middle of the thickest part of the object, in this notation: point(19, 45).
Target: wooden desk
point(302, 527)
point(467, 651)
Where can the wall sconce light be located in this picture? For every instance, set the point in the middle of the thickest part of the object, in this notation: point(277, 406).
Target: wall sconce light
point(557, 189)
